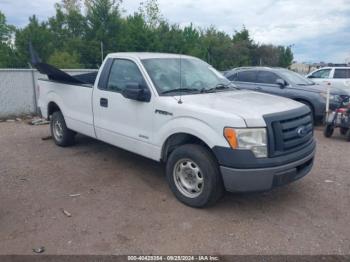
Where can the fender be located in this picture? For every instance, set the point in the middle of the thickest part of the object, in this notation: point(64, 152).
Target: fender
point(191, 126)
point(53, 97)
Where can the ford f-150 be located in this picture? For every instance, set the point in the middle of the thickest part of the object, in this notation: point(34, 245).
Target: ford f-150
point(179, 110)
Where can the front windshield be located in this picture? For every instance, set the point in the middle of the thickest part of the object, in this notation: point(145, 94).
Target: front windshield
point(295, 78)
point(195, 75)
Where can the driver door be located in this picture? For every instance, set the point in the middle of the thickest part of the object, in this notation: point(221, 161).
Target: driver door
point(322, 76)
point(267, 83)
point(118, 120)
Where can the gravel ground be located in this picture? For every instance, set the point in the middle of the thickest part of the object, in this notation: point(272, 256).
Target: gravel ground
point(124, 205)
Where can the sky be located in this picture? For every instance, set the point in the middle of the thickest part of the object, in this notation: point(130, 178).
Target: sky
point(317, 30)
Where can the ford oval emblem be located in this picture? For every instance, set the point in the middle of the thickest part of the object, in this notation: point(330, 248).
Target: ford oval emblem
point(302, 131)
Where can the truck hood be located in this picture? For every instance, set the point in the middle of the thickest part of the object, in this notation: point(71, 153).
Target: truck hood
point(248, 105)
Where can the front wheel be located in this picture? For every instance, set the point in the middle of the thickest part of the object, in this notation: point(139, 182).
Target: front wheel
point(193, 176)
point(328, 131)
point(343, 131)
point(59, 130)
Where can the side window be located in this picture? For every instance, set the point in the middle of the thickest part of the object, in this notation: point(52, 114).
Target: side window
point(267, 77)
point(233, 77)
point(123, 72)
point(324, 73)
point(342, 73)
point(247, 76)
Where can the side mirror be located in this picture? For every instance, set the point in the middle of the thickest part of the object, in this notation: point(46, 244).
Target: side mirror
point(281, 83)
point(135, 91)
point(310, 76)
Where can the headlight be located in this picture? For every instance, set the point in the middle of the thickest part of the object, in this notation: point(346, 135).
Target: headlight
point(253, 139)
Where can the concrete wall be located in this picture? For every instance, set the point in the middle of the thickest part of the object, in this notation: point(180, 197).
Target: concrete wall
point(17, 90)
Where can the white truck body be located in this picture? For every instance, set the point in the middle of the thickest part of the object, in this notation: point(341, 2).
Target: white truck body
point(338, 77)
point(145, 127)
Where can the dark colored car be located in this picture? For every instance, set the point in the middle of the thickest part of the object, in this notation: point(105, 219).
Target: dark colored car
point(283, 82)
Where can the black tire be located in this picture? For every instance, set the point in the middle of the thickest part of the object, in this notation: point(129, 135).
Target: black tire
point(348, 135)
point(328, 131)
point(66, 137)
point(343, 130)
point(212, 188)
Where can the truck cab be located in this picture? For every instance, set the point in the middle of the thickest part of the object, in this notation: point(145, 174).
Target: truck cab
point(334, 77)
point(179, 110)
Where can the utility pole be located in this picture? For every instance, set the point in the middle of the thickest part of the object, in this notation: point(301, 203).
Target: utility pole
point(102, 57)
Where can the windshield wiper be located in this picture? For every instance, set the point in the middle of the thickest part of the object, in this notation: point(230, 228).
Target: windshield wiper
point(180, 90)
point(305, 84)
point(220, 86)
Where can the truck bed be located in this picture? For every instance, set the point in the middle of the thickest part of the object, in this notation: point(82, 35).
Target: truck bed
point(73, 99)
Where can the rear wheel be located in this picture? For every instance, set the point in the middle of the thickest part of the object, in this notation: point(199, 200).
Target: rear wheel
point(328, 131)
point(193, 176)
point(348, 135)
point(343, 130)
point(59, 131)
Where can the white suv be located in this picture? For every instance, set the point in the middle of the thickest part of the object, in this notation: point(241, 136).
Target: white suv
point(332, 76)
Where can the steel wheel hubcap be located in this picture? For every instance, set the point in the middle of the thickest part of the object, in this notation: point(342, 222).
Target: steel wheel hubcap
point(57, 130)
point(188, 178)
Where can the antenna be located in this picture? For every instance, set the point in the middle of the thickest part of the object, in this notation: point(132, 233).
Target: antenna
point(180, 100)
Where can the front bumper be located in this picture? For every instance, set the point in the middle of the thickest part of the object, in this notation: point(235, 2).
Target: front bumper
point(264, 179)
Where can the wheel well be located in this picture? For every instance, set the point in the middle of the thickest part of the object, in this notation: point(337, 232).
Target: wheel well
point(307, 103)
point(179, 139)
point(51, 108)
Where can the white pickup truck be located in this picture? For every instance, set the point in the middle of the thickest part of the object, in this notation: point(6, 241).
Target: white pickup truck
point(338, 77)
point(179, 110)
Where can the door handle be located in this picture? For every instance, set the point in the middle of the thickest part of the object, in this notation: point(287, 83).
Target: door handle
point(257, 88)
point(104, 102)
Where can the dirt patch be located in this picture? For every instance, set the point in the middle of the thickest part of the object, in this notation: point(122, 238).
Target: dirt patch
point(120, 204)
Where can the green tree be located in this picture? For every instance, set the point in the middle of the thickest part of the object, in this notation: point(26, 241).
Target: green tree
point(103, 26)
point(150, 12)
point(41, 37)
point(5, 55)
point(8, 55)
point(136, 35)
point(286, 56)
point(6, 30)
point(69, 20)
point(63, 59)
point(242, 36)
point(68, 28)
point(73, 37)
point(267, 55)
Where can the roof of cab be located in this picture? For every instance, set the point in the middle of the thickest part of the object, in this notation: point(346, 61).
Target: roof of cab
point(335, 67)
point(146, 55)
point(250, 68)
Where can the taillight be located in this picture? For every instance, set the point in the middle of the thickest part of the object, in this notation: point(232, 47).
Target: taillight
point(342, 110)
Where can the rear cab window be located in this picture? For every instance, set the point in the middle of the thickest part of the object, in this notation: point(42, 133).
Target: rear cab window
point(341, 73)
